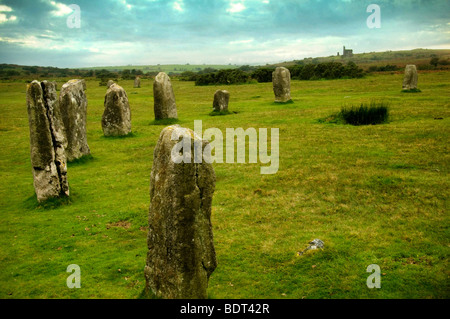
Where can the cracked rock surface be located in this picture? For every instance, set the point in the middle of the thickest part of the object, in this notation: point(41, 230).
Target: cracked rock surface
point(181, 255)
point(47, 141)
point(73, 104)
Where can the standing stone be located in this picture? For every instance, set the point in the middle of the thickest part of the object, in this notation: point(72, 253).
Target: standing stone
point(281, 80)
point(73, 104)
point(47, 141)
point(110, 82)
point(58, 132)
point(181, 255)
point(410, 78)
point(116, 120)
point(221, 99)
point(164, 99)
point(137, 82)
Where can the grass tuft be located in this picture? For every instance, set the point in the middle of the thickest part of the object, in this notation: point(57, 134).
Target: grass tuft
point(50, 204)
point(129, 135)
point(375, 113)
point(287, 102)
point(219, 113)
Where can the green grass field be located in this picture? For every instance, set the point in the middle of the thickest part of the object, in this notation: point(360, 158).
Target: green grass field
point(373, 194)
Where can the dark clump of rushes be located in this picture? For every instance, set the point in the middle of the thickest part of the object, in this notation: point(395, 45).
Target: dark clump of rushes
point(366, 114)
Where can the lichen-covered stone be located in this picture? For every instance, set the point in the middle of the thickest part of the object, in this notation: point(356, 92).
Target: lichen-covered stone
point(73, 105)
point(411, 77)
point(47, 141)
point(164, 98)
point(181, 255)
point(116, 119)
point(281, 80)
point(221, 99)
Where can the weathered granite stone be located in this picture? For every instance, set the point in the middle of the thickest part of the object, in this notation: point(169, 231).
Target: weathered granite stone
point(221, 99)
point(110, 82)
point(137, 82)
point(47, 141)
point(281, 80)
point(410, 78)
point(164, 98)
point(73, 105)
point(315, 244)
point(116, 120)
point(58, 132)
point(181, 255)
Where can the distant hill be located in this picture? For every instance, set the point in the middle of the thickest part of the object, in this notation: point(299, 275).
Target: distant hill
point(167, 68)
point(363, 60)
point(373, 61)
point(12, 70)
point(420, 57)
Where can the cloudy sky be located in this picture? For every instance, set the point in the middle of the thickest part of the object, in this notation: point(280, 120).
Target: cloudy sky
point(139, 32)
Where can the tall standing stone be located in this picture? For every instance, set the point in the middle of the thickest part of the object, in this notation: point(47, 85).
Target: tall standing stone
point(410, 78)
point(181, 255)
point(116, 120)
point(47, 141)
point(164, 98)
point(281, 80)
point(73, 104)
point(221, 99)
point(137, 82)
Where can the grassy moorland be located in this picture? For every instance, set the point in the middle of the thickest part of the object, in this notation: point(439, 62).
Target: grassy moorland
point(374, 194)
point(419, 57)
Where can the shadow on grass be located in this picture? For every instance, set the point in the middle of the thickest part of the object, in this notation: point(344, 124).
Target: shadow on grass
point(82, 160)
point(129, 135)
point(412, 91)
point(221, 113)
point(402, 166)
point(165, 122)
point(31, 203)
point(283, 103)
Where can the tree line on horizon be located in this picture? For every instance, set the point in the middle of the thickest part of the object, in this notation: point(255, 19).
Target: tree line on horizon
point(247, 74)
point(308, 69)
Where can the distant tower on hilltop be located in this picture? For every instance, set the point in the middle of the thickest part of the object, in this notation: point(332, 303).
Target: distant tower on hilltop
point(347, 53)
